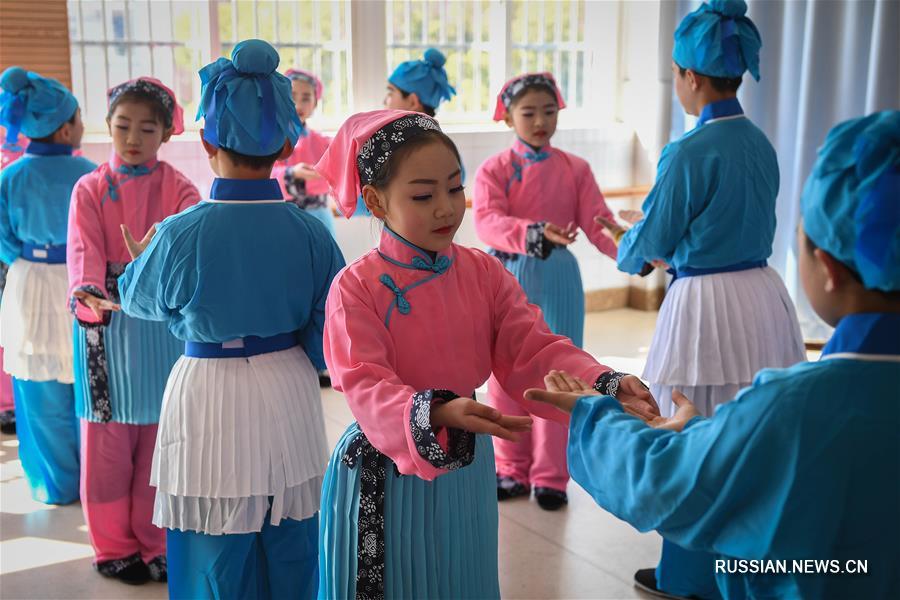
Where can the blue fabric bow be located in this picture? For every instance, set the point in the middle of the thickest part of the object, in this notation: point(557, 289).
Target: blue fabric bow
point(402, 303)
point(439, 266)
point(130, 172)
point(220, 74)
point(12, 111)
point(531, 158)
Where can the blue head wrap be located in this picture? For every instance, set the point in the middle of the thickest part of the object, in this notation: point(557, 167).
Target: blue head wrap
point(718, 40)
point(425, 78)
point(246, 103)
point(851, 201)
point(35, 105)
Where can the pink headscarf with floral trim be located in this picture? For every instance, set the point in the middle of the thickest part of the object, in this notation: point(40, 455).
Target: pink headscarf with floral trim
point(142, 84)
point(514, 85)
point(339, 165)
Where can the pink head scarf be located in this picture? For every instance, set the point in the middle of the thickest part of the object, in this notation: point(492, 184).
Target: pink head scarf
point(517, 84)
point(340, 164)
point(154, 87)
point(308, 77)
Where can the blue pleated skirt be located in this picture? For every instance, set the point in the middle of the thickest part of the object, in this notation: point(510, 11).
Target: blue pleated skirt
point(555, 285)
point(139, 356)
point(440, 537)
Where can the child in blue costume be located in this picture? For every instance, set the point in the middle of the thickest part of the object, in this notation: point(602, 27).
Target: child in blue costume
point(711, 216)
point(241, 278)
point(802, 464)
point(419, 85)
point(35, 328)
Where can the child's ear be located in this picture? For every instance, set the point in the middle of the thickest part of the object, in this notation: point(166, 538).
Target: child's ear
point(210, 149)
point(109, 126)
point(416, 103)
point(373, 201)
point(167, 134)
point(507, 118)
point(693, 79)
point(286, 151)
point(837, 276)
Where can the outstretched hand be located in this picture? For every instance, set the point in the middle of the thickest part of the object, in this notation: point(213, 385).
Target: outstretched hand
point(614, 229)
point(564, 390)
point(469, 415)
point(134, 247)
point(560, 236)
point(304, 171)
point(684, 413)
point(631, 216)
point(99, 306)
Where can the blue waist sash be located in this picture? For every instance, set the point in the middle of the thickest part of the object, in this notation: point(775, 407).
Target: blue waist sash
point(251, 345)
point(742, 266)
point(44, 253)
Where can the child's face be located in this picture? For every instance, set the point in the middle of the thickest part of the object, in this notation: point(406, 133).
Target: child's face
point(533, 117)
point(136, 133)
point(425, 201)
point(394, 100)
point(304, 95)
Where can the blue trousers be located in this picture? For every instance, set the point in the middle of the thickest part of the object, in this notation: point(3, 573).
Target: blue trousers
point(278, 562)
point(687, 572)
point(48, 439)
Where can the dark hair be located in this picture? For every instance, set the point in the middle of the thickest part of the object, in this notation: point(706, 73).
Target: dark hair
point(532, 87)
point(428, 110)
point(388, 168)
point(720, 84)
point(162, 116)
point(49, 139)
point(252, 162)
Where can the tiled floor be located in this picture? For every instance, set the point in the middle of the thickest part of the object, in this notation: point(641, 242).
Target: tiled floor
point(579, 552)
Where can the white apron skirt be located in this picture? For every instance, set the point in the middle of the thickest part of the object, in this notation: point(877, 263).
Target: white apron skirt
point(235, 433)
point(35, 324)
point(717, 331)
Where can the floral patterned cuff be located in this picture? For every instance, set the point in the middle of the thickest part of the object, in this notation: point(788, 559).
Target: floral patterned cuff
point(536, 245)
point(608, 383)
point(461, 444)
point(295, 186)
point(93, 290)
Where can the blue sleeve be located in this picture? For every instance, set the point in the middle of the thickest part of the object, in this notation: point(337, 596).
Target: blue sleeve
point(667, 215)
point(10, 244)
point(328, 261)
point(160, 281)
point(725, 484)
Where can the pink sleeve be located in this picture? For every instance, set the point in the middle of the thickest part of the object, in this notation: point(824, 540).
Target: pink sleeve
point(86, 246)
point(360, 354)
point(490, 204)
point(590, 205)
point(188, 194)
point(525, 349)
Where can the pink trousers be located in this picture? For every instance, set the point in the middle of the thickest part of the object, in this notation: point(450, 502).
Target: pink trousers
point(539, 457)
point(6, 393)
point(115, 490)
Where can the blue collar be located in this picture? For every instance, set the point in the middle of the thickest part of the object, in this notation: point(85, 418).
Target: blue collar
point(401, 252)
point(245, 189)
point(717, 110)
point(44, 149)
point(866, 333)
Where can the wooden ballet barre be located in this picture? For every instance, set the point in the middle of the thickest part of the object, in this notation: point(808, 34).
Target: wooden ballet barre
point(622, 192)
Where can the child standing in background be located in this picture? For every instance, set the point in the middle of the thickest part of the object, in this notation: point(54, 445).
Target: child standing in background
point(122, 362)
point(419, 85)
point(302, 185)
point(242, 280)
point(35, 328)
point(529, 202)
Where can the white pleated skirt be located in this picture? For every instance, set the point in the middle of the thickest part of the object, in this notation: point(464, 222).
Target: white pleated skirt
point(35, 324)
point(720, 329)
point(238, 437)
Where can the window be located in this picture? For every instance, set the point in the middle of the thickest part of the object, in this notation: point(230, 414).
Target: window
point(486, 42)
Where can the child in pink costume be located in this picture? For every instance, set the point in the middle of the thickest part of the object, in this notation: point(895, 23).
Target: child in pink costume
point(121, 362)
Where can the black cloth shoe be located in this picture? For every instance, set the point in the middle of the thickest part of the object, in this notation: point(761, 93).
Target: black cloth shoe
point(159, 570)
point(8, 422)
point(130, 570)
point(550, 499)
point(645, 580)
point(324, 379)
point(507, 488)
